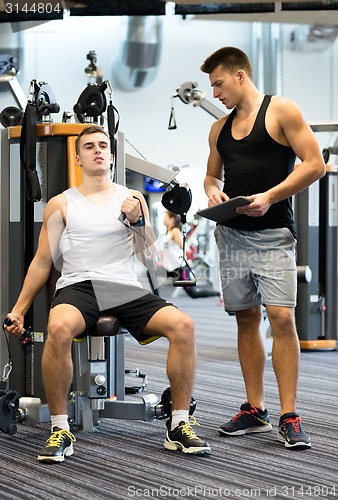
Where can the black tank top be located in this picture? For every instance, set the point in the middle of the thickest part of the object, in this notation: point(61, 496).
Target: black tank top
point(253, 165)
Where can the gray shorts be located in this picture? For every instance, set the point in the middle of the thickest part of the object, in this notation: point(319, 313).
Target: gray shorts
point(257, 267)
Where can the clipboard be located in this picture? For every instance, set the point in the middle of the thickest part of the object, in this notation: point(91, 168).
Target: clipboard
point(225, 210)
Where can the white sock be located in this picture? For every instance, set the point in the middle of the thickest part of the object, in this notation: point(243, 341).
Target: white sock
point(178, 416)
point(60, 421)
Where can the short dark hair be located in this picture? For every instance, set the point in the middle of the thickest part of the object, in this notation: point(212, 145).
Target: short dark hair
point(91, 129)
point(231, 58)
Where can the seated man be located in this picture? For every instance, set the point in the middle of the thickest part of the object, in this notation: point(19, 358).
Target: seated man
point(82, 228)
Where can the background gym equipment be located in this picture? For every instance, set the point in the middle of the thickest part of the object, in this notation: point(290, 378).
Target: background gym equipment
point(188, 93)
point(316, 311)
point(99, 379)
point(8, 72)
point(178, 201)
point(11, 116)
point(317, 268)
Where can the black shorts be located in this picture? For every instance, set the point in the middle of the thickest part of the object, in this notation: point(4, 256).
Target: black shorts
point(133, 306)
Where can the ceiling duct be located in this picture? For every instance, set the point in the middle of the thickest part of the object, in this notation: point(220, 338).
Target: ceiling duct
point(313, 38)
point(137, 63)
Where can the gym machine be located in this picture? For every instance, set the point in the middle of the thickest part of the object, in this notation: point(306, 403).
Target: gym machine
point(316, 312)
point(317, 268)
point(188, 93)
point(11, 115)
point(31, 173)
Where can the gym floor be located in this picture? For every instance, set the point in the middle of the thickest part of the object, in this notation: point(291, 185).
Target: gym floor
point(126, 459)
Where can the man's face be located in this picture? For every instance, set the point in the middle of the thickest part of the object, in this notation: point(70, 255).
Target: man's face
point(226, 86)
point(94, 152)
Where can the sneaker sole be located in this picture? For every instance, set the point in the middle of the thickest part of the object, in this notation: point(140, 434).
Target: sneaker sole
point(249, 430)
point(60, 458)
point(300, 445)
point(176, 446)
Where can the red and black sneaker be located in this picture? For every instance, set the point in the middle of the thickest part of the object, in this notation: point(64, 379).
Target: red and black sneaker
point(290, 432)
point(249, 420)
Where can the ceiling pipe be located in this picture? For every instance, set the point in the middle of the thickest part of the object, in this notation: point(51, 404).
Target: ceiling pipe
point(313, 38)
point(138, 60)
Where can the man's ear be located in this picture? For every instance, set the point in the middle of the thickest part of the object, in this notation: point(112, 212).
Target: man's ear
point(240, 74)
point(77, 160)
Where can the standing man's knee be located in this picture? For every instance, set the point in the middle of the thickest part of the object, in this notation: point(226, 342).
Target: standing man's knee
point(282, 319)
point(249, 317)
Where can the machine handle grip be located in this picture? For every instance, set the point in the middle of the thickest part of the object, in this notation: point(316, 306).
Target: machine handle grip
point(26, 337)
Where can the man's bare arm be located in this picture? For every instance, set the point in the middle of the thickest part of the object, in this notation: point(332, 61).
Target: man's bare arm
point(39, 270)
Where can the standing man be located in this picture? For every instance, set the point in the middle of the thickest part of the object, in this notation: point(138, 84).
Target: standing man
point(252, 153)
point(83, 228)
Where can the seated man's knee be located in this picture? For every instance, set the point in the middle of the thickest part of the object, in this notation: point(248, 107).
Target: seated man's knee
point(173, 324)
point(58, 330)
point(65, 322)
point(185, 327)
point(188, 324)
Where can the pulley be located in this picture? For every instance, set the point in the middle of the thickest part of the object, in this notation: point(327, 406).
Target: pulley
point(178, 200)
point(11, 117)
point(45, 100)
point(9, 404)
point(91, 103)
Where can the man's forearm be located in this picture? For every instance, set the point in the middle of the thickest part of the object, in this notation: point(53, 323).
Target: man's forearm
point(296, 182)
point(212, 182)
point(35, 280)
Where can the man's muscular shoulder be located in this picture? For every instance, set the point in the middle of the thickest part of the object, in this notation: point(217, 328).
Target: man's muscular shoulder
point(216, 129)
point(281, 113)
point(56, 205)
point(283, 106)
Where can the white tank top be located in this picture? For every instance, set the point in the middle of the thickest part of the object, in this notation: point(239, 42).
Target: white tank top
point(95, 245)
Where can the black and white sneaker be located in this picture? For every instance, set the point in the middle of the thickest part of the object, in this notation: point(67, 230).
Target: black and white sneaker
point(58, 446)
point(290, 432)
point(185, 439)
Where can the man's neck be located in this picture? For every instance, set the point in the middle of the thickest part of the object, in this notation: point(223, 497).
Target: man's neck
point(250, 103)
point(94, 185)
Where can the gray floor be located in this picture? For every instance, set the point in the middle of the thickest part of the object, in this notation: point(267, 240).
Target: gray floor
point(126, 459)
